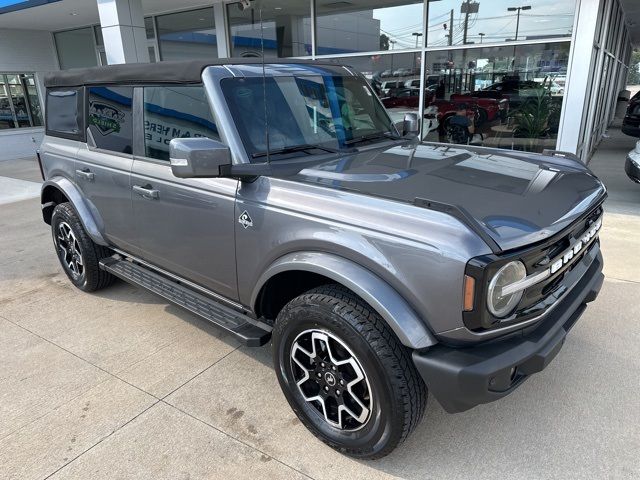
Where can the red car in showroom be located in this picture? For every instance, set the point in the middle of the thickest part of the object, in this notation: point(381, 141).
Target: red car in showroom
point(489, 109)
point(407, 98)
point(483, 109)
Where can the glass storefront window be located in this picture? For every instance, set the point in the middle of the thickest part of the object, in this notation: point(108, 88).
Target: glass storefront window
point(76, 48)
point(506, 97)
point(190, 34)
point(394, 77)
point(148, 28)
point(456, 22)
point(345, 27)
point(19, 102)
point(99, 38)
point(151, 37)
point(286, 31)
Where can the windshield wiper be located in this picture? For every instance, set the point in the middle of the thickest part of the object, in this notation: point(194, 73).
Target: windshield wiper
point(372, 136)
point(295, 148)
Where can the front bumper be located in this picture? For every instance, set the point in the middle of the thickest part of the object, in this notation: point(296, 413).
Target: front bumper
point(462, 378)
point(633, 170)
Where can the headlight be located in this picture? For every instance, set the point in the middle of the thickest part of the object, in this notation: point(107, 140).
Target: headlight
point(501, 306)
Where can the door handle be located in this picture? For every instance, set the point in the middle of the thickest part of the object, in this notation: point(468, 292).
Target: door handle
point(86, 174)
point(147, 191)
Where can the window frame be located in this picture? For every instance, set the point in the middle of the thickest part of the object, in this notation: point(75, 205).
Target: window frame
point(82, 108)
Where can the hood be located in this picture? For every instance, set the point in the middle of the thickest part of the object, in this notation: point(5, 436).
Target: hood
point(515, 198)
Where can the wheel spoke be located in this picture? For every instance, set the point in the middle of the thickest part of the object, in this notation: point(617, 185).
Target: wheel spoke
point(70, 252)
point(326, 369)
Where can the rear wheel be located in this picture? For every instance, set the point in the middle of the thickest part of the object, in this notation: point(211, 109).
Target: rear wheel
point(345, 374)
point(78, 254)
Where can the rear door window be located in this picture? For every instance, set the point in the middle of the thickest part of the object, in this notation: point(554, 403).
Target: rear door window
point(63, 113)
point(175, 112)
point(111, 118)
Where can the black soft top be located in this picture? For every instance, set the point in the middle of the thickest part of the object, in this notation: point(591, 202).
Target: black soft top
point(161, 72)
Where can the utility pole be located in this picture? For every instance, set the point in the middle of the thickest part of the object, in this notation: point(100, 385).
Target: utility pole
point(468, 8)
point(466, 22)
point(518, 9)
point(451, 29)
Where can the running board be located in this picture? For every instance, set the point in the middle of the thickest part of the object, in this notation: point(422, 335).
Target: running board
point(247, 330)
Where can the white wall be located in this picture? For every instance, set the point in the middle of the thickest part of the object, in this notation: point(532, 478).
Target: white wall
point(25, 51)
point(20, 142)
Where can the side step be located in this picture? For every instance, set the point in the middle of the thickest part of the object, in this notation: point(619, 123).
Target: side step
point(249, 331)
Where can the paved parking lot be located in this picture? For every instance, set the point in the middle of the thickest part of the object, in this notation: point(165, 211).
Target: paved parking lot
point(121, 385)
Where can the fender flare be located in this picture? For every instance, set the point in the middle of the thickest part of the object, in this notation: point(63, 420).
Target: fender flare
point(385, 300)
point(89, 217)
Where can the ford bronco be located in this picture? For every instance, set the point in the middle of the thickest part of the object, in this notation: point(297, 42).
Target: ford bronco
point(281, 203)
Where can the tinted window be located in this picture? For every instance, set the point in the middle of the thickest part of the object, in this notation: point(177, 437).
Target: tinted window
point(62, 112)
point(111, 118)
point(175, 112)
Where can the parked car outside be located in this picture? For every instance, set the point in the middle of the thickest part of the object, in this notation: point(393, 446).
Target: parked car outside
point(632, 165)
point(631, 121)
point(283, 205)
point(403, 72)
point(413, 83)
point(390, 87)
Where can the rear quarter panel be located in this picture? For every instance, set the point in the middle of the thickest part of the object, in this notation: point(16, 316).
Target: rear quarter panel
point(58, 157)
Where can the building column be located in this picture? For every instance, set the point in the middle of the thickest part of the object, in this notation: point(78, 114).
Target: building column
point(581, 73)
point(122, 23)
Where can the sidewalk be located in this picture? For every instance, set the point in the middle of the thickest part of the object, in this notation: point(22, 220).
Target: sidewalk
point(121, 385)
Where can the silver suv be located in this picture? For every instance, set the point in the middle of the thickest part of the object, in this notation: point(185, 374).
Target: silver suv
point(281, 203)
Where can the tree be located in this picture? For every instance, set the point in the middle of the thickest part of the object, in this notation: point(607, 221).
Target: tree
point(634, 65)
point(384, 42)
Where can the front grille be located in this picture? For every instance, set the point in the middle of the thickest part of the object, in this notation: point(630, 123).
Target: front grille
point(540, 296)
point(537, 258)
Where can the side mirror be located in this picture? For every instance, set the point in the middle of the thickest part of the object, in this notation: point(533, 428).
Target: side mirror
point(198, 157)
point(410, 125)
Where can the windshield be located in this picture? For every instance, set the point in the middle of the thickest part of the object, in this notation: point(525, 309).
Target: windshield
point(316, 114)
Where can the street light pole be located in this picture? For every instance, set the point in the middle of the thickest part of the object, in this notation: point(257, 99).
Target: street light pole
point(417, 35)
point(518, 9)
point(481, 35)
point(415, 58)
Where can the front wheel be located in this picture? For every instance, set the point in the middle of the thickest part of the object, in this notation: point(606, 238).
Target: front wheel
point(345, 374)
point(78, 254)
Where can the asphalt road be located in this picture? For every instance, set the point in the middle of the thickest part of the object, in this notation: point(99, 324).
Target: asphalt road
point(119, 384)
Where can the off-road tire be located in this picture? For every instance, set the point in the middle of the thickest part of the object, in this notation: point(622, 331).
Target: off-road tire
point(398, 393)
point(92, 278)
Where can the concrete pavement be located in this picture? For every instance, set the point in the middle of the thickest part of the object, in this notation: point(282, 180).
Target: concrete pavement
point(119, 384)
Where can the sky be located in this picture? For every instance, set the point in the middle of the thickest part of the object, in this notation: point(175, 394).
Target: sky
point(546, 17)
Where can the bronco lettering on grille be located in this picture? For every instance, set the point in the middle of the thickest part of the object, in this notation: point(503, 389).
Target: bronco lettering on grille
point(576, 248)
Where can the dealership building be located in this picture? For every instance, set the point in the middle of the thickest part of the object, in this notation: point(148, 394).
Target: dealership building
point(558, 66)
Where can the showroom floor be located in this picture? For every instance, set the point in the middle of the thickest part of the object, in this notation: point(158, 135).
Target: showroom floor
point(121, 385)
